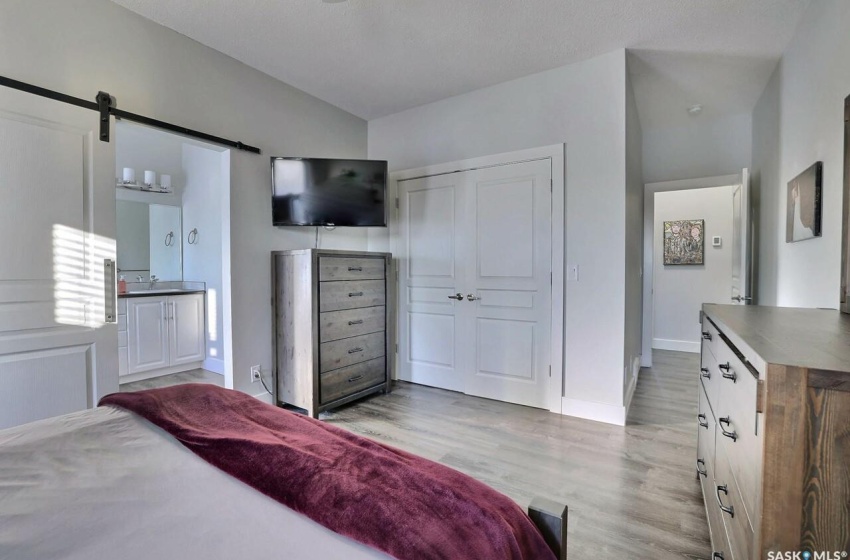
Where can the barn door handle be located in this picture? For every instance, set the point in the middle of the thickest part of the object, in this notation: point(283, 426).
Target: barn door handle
point(110, 289)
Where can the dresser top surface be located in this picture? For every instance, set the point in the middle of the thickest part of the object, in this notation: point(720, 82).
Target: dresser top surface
point(332, 253)
point(810, 338)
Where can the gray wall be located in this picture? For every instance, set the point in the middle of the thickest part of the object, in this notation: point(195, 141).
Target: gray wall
point(799, 120)
point(680, 291)
point(705, 147)
point(84, 46)
point(582, 105)
point(634, 241)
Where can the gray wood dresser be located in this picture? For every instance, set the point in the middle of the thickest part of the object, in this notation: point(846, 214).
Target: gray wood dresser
point(773, 450)
point(332, 326)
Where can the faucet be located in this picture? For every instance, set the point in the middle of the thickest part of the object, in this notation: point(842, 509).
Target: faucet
point(154, 280)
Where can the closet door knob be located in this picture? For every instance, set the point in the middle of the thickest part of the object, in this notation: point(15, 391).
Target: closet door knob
point(471, 297)
point(457, 296)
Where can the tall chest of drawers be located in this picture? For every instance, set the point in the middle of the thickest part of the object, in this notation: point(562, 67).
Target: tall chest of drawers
point(773, 444)
point(332, 316)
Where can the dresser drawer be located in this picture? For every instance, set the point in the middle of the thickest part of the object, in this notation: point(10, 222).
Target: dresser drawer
point(719, 542)
point(710, 377)
point(349, 294)
point(346, 381)
point(737, 422)
point(348, 351)
point(705, 438)
point(335, 325)
point(727, 494)
point(710, 337)
point(351, 268)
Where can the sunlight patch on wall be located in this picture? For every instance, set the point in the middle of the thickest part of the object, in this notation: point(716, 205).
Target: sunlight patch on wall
point(78, 276)
point(212, 320)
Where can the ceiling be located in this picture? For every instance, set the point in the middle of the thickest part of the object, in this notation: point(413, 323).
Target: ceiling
point(374, 58)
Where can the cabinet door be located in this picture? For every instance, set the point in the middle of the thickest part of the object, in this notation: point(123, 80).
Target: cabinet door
point(147, 329)
point(186, 339)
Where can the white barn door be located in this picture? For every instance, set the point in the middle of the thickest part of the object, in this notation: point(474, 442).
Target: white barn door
point(475, 281)
point(58, 353)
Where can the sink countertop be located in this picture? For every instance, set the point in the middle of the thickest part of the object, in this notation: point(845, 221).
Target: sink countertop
point(162, 288)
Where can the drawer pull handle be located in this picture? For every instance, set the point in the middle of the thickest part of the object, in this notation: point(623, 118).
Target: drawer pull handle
point(355, 269)
point(717, 556)
point(731, 435)
point(355, 350)
point(355, 294)
point(357, 322)
point(730, 510)
point(706, 335)
point(705, 373)
point(702, 421)
point(730, 373)
point(701, 471)
point(354, 378)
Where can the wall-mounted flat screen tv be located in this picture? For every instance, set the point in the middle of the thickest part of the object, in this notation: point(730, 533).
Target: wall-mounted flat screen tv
point(329, 192)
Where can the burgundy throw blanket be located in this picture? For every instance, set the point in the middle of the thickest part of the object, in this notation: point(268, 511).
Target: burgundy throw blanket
point(406, 506)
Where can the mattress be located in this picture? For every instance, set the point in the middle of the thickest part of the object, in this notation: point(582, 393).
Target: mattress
point(105, 484)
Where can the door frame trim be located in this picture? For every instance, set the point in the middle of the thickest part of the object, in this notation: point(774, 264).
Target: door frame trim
point(556, 153)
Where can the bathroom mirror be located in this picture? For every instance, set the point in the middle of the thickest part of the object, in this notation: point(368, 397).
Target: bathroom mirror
point(149, 241)
point(845, 233)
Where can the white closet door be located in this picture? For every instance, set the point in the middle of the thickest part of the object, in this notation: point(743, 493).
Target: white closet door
point(430, 272)
point(57, 225)
point(509, 271)
point(486, 235)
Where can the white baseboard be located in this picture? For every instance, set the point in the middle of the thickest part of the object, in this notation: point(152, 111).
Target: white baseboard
point(214, 365)
point(265, 397)
point(132, 378)
point(600, 412)
point(676, 345)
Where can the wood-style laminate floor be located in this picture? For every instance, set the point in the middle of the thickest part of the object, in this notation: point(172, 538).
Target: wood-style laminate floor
point(632, 491)
point(191, 376)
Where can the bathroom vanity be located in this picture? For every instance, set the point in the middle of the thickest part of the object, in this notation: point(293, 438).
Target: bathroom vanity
point(160, 330)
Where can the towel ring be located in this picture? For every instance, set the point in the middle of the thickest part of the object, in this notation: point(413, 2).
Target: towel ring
point(169, 239)
point(193, 237)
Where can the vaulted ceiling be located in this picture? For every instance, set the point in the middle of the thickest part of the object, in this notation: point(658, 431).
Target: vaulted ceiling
point(377, 57)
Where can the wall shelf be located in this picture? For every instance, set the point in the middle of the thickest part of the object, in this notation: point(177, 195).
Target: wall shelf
point(144, 188)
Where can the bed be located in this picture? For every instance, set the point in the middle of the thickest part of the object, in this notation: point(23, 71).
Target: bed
point(108, 483)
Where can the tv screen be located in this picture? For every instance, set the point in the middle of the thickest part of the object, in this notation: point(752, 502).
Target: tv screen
point(328, 192)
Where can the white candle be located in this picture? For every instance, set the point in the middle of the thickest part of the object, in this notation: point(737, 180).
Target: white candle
point(129, 175)
point(165, 181)
point(150, 178)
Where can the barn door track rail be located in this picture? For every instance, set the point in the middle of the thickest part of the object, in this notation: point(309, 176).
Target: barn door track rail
point(104, 104)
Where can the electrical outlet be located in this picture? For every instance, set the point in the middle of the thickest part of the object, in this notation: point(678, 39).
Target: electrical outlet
point(255, 374)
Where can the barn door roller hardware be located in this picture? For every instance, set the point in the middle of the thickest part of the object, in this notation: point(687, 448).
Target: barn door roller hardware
point(105, 106)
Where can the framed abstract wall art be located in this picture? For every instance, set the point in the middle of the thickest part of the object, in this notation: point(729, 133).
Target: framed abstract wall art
point(684, 242)
point(803, 217)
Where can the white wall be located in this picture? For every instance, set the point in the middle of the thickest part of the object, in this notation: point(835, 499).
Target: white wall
point(84, 46)
point(582, 105)
point(204, 199)
point(704, 147)
point(681, 290)
point(799, 120)
point(634, 244)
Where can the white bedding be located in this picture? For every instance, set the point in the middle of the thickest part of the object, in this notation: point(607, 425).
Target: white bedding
point(105, 484)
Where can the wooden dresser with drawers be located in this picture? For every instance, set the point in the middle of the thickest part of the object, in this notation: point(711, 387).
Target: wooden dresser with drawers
point(773, 450)
point(332, 318)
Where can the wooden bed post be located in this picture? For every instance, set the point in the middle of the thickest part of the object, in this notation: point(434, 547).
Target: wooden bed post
point(551, 519)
